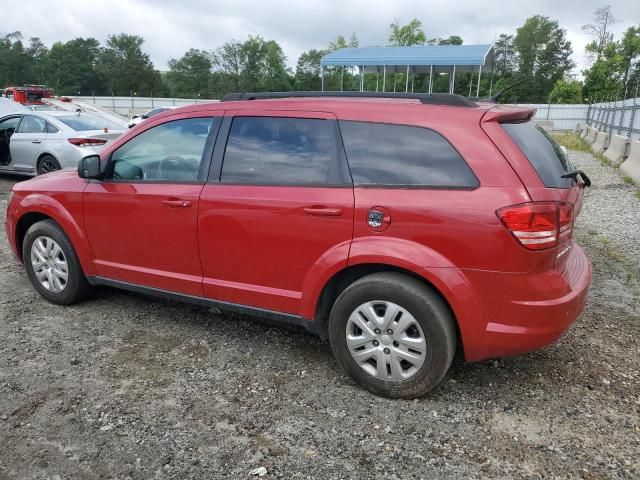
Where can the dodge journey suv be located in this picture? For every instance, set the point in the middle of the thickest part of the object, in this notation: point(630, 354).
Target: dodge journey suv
point(402, 228)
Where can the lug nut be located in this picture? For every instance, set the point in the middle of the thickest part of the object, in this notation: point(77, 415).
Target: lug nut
point(376, 343)
point(396, 344)
point(390, 332)
point(387, 351)
point(377, 331)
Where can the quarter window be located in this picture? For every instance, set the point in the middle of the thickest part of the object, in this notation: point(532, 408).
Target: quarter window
point(280, 151)
point(31, 124)
point(172, 151)
point(385, 154)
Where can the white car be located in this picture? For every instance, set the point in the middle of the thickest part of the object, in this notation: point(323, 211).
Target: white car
point(34, 143)
point(136, 119)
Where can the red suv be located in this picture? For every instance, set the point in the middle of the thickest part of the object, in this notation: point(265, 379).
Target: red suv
point(400, 228)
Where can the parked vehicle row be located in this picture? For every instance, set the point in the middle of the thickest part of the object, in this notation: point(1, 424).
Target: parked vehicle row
point(41, 142)
point(400, 229)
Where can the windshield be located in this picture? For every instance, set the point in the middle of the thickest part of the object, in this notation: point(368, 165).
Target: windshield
point(83, 123)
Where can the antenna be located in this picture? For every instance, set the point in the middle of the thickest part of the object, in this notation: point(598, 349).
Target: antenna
point(497, 96)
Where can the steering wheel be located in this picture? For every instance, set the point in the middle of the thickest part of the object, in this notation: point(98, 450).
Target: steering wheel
point(174, 166)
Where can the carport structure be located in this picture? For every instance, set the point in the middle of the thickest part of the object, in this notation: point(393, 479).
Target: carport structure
point(432, 60)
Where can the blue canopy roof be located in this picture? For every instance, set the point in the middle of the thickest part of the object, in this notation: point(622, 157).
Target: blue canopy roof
point(419, 55)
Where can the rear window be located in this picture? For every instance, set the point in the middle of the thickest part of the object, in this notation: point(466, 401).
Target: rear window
point(543, 152)
point(399, 155)
point(84, 123)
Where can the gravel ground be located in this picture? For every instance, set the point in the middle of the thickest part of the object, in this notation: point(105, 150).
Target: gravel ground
point(122, 386)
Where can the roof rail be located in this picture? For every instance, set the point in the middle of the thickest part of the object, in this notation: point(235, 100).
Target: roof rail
point(427, 98)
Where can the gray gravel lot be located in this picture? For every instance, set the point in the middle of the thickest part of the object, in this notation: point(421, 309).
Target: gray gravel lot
point(122, 386)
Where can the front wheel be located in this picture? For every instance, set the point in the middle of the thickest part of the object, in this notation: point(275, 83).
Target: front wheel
point(393, 334)
point(52, 264)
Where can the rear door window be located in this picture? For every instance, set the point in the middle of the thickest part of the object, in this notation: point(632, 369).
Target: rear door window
point(31, 124)
point(545, 155)
point(280, 151)
point(400, 155)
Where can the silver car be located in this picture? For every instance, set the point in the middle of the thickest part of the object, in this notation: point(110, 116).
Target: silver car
point(39, 142)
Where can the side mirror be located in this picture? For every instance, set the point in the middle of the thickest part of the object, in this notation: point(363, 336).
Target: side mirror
point(89, 167)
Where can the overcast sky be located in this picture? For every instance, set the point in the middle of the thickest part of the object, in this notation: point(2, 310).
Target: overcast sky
point(171, 27)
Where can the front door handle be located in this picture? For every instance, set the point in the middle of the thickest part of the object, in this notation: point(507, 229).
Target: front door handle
point(323, 211)
point(36, 141)
point(176, 203)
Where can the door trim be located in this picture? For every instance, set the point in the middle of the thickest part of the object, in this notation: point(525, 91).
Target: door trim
point(312, 326)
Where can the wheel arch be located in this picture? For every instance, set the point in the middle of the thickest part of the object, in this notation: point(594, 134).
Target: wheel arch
point(448, 283)
point(43, 207)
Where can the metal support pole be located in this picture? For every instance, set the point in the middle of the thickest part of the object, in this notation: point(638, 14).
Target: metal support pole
point(342, 79)
point(384, 78)
point(377, 79)
point(322, 77)
point(406, 83)
point(491, 82)
point(412, 80)
point(470, 84)
point(430, 78)
point(633, 113)
point(362, 79)
point(478, 87)
point(453, 80)
point(395, 74)
point(588, 120)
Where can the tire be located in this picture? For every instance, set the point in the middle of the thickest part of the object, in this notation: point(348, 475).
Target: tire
point(420, 306)
point(75, 287)
point(46, 164)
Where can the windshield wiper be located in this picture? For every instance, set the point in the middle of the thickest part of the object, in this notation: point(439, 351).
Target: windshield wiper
point(575, 173)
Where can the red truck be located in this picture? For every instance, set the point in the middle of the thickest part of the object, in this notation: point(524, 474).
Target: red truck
point(28, 94)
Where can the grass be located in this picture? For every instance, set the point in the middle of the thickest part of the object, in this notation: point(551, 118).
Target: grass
point(638, 193)
point(604, 160)
point(572, 141)
point(627, 179)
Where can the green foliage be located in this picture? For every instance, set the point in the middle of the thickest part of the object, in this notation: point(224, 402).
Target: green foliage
point(566, 91)
point(409, 34)
point(544, 56)
point(605, 78)
point(189, 76)
point(572, 141)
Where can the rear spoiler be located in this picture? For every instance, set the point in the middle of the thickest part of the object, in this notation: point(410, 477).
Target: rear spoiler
point(504, 113)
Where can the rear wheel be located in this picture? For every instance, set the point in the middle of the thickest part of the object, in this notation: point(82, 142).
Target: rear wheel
point(52, 264)
point(46, 164)
point(394, 335)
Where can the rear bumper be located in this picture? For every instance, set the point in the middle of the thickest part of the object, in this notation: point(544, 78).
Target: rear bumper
point(527, 312)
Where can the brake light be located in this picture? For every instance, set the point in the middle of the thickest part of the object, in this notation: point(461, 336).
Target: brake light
point(87, 142)
point(539, 225)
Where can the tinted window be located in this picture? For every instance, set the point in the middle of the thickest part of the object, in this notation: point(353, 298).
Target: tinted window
point(279, 151)
point(51, 128)
point(31, 124)
point(383, 154)
point(170, 151)
point(542, 151)
point(84, 123)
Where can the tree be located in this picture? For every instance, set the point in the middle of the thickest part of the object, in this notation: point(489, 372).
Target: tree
point(629, 48)
point(599, 29)
point(451, 40)
point(605, 78)
point(189, 76)
point(342, 42)
point(566, 91)
point(71, 67)
point(506, 59)
point(409, 34)
point(308, 70)
point(127, 68)
point(544, 56)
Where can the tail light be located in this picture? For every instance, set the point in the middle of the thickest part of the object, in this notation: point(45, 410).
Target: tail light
point(539, 225)
point(87, 142)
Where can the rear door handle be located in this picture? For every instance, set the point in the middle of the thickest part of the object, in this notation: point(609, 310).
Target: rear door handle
point(176, 203)
point(36, 141)
point(323, 211)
